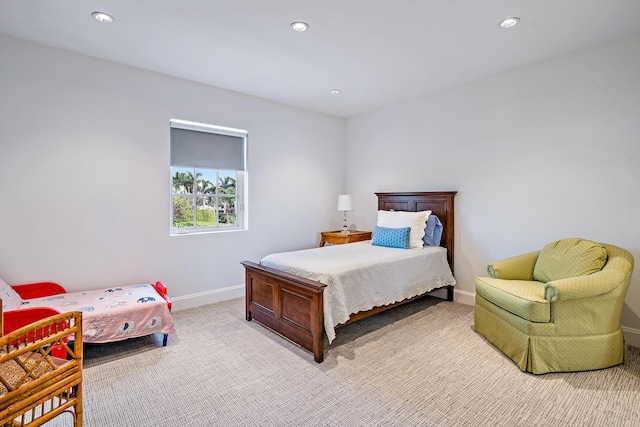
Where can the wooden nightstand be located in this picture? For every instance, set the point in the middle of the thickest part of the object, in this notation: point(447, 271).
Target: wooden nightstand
point(339, 238)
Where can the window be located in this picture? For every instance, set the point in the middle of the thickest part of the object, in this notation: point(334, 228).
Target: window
point(208, 178)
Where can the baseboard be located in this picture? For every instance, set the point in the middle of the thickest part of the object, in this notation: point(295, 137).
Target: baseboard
point(464, 297)
point(208, 297)
point(218, 295)
point(631, 336)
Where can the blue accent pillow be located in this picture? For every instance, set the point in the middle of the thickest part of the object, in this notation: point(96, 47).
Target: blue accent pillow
point(432, 231)
point(391, 237)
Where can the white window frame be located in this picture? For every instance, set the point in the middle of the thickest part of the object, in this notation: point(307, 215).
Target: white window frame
point(241, 183)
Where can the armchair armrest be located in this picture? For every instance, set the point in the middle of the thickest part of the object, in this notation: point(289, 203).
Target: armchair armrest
point(519, 267)
point(583, 287)
point(616, 272)
point(38, 290)
point(16, 319)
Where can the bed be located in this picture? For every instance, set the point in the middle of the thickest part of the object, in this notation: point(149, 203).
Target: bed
point(294, 306)
point(110, 314)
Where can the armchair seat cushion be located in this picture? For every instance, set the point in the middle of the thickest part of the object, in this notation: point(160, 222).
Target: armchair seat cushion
point(524, 298)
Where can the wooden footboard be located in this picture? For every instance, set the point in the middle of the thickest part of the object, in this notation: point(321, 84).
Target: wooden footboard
point(293, 307)
point(289, 305)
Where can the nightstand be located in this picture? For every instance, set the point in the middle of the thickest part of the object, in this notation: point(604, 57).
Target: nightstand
point(339, 238)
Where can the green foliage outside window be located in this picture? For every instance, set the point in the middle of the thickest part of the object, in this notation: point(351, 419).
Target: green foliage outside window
point(214, 205)
point(182, 212)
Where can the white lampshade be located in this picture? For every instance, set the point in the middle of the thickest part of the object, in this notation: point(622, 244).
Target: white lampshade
point(345, 203)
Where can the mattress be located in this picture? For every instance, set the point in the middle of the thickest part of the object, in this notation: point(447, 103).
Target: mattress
point(360, 276)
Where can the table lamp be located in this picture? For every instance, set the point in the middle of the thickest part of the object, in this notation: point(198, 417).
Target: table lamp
point(345, 204)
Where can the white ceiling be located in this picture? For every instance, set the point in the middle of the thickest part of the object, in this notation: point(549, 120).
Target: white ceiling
point(378, 52)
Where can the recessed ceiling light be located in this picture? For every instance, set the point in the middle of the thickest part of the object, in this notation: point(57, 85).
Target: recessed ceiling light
point(299, 26)
point(102, 17)
point(508, 22)
point(335, 91)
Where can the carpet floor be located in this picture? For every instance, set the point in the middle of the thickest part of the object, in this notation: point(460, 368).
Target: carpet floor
point(417, 365)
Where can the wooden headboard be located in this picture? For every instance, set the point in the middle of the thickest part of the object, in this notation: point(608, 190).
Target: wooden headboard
point(440, 203)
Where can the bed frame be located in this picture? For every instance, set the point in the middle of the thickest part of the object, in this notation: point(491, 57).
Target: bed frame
point(292, 306)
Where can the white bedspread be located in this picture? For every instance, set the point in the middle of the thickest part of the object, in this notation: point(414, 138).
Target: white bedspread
point(360, 276)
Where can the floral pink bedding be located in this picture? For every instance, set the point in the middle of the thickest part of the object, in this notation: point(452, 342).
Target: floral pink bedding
point(113, 314)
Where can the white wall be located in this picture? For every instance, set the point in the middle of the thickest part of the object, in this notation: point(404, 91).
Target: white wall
point(538, 153)
point(84, 176)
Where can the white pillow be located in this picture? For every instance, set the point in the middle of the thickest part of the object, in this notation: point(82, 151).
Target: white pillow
point(10, 298)
point(400, 219)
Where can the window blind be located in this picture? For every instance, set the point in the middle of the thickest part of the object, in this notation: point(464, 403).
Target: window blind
point(191, 148)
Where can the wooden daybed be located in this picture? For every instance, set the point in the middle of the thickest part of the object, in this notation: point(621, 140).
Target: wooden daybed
point(293, 306)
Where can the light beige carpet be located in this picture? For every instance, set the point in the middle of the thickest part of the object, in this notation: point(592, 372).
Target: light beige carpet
point(417, 365)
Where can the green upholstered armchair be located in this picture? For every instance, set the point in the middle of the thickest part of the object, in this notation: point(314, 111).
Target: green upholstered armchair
point(558, 309)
